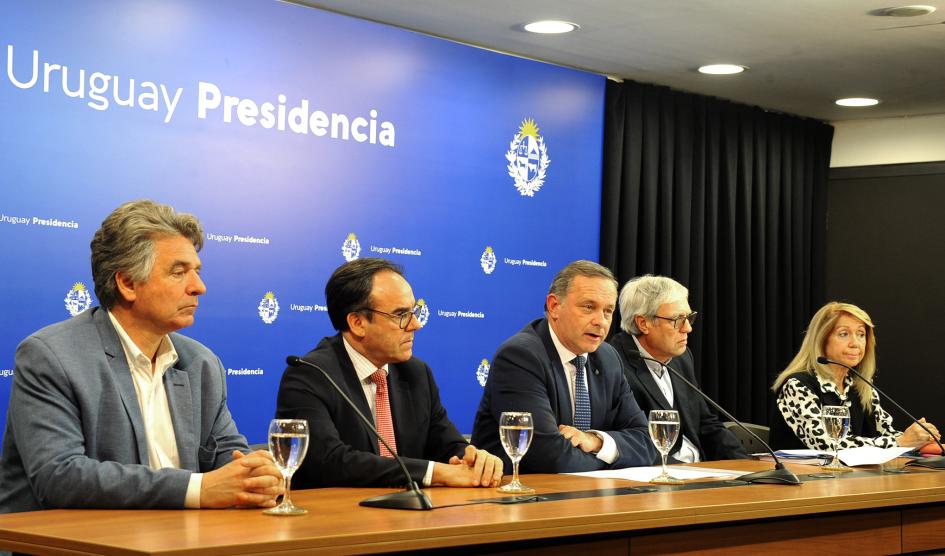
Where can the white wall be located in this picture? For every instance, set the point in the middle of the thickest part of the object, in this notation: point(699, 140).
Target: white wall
point(888, 141)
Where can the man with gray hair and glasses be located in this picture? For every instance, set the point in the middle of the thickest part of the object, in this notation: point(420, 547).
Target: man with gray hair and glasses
point(656, 320)
point(112, 408)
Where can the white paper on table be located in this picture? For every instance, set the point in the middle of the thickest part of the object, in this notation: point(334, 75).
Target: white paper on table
point(870, 455)
point(800, 453)
point(645, 474)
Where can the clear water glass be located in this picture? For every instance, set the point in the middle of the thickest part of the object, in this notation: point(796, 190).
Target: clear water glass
point(664, 429)
point(288, 443)
point(516, 430)
point(837, 423)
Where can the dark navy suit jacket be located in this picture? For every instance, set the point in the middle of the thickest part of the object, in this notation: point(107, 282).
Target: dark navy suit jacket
point(527, 375)
point(342, 450)
point(698, 422)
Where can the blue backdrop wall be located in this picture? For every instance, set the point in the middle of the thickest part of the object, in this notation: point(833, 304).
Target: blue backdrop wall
point(301, 139)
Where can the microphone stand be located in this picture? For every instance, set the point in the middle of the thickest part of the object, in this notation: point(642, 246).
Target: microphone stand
point(778, 475)
point(930, 462)
point(410, 499)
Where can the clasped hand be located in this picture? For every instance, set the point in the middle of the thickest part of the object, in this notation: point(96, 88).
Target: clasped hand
point(915, 437)
point(476, 468)
point(587, 442)
point(250, 480)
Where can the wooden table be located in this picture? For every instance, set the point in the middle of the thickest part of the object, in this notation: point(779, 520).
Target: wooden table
point(879, 514)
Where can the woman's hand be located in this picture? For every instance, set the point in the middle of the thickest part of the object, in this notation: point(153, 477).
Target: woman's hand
point(916, 437)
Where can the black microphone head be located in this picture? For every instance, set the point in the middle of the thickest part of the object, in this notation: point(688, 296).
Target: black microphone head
point(293, 360)
point(823, 360)
point(634, 352)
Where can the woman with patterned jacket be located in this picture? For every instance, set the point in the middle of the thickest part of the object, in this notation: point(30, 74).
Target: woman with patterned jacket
point(840, 332)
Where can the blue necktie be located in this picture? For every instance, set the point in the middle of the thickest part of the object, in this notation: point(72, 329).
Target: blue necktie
point(582, 402)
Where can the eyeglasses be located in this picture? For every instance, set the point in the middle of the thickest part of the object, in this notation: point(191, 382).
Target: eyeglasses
point(402, 319)
point(677, 321)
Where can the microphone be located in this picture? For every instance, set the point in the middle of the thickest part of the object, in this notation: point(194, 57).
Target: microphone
point(412, 498)
point(778, 475)
point(931, 462)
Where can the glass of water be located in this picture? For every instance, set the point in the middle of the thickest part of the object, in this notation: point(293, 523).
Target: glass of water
point(664, 428)
point(515, 432)
point(288, 443)
point(837, 422)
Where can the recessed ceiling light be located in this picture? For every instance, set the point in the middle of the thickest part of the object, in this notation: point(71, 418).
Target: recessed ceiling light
point(855, 101)
point(909, 11)
point(722, 69)
point(550, 27)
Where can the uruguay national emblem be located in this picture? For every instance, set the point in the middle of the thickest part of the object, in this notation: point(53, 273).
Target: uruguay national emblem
point(350, 249)
point(487, 260)
point(528, 159)
point(78, 299)
point(268, 308)
point(482, 373)
point(423, 312)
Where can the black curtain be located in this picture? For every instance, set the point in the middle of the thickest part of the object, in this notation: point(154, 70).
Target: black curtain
point(730, 201)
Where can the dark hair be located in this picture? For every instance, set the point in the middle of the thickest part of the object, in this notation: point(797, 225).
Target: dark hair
point(349, 288)
point(125, 243)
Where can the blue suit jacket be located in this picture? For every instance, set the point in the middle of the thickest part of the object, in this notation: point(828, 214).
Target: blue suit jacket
point(527, 375)
point(75, 436)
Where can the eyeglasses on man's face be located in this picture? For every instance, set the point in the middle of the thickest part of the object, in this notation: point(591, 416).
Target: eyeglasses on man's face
point(680, 319)
point(401, 318)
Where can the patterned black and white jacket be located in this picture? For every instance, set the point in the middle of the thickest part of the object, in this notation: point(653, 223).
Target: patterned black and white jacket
point(796, 420)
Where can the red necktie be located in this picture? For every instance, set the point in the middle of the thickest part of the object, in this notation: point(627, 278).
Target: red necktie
point(385, 424)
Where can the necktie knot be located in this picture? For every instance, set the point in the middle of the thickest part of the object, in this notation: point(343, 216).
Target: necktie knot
point(579, 362)
point(379, 378)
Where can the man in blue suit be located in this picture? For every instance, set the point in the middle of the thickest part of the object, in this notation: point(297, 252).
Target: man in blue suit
point(112, 408)
point(558, 369)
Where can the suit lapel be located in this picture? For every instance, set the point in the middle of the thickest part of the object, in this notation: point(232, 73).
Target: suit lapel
point(181, 403)
point(645, 377)
point(401, 401)
point(597, 391)
point(561, 401)
point(118, 362)
point(349, 381)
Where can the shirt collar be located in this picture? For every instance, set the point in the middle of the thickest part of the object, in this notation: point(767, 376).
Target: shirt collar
point(563, 352)
point(827, 385)
point(362, 365)
point(654, 367)
point(165, 351)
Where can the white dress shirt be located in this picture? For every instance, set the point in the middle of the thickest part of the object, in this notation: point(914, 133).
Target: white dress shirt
point(155, 411)
point(364, 369)
point(687, 451)
point(608, 452)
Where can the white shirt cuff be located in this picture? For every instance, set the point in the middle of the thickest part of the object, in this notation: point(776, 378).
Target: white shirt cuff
point(192, 499)
point(608, 452)
point(428, 476)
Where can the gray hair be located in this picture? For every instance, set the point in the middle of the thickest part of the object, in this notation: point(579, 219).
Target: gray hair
point(562, 282)
point(125, 243)
point(644, 295)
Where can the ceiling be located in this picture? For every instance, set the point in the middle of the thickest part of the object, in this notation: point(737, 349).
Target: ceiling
point(802, 54)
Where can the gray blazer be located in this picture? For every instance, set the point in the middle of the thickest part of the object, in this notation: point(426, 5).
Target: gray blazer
point(75, 436)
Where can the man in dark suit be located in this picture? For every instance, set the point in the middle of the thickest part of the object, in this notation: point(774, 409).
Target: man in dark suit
point(656, 320)
point(558, 369)
point(371, 358)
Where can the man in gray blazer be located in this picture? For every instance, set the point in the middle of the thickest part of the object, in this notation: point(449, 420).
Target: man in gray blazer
point(112, 408)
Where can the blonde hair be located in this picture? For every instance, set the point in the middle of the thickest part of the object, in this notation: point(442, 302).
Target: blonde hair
point(821, 325)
